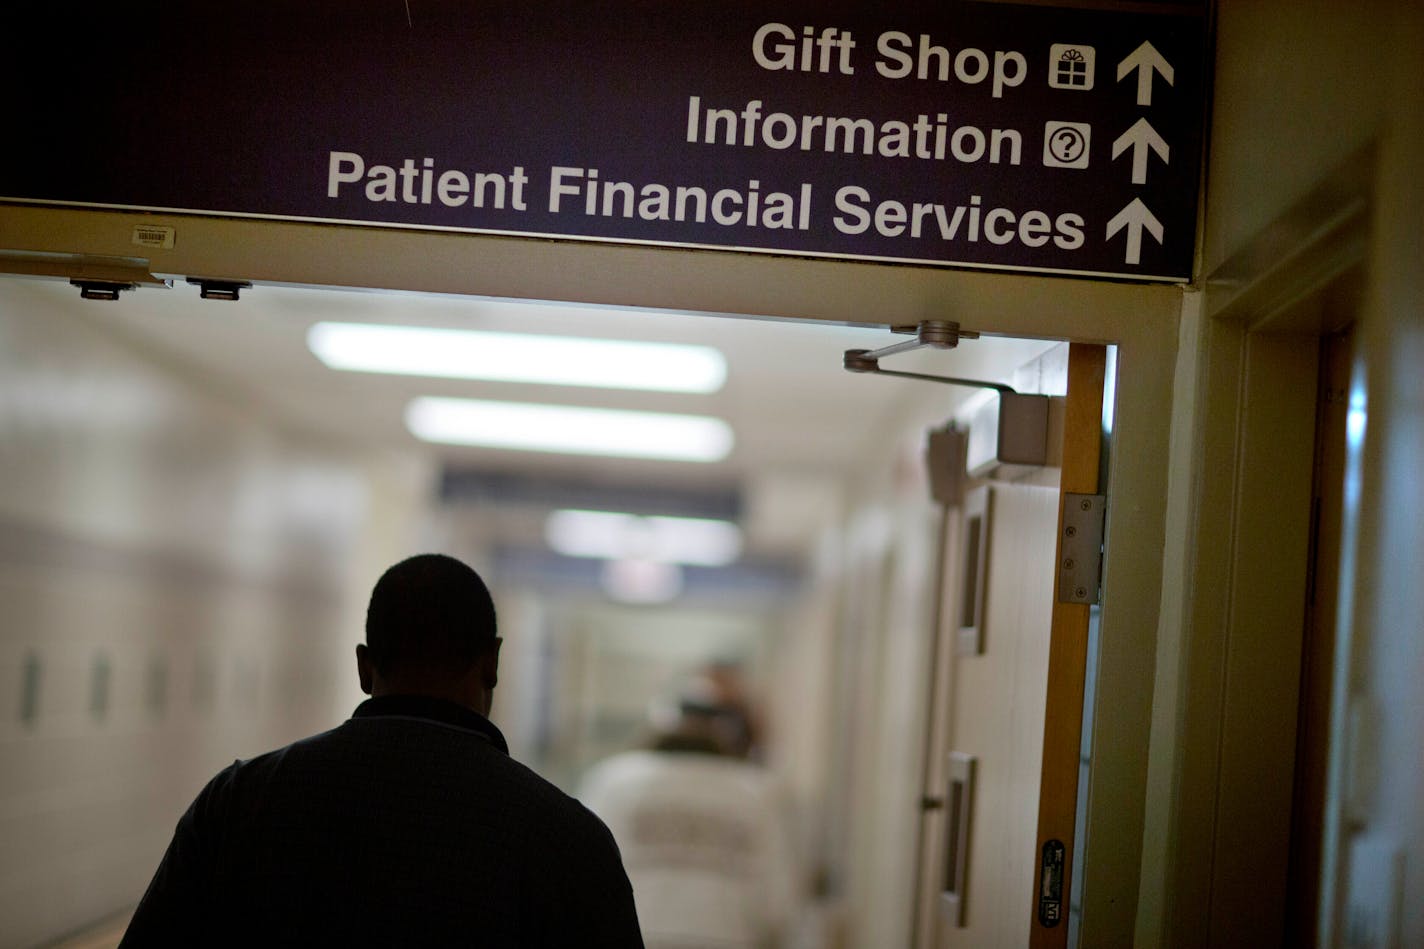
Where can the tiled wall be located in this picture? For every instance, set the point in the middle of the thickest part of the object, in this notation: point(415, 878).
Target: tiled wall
point(180, 585)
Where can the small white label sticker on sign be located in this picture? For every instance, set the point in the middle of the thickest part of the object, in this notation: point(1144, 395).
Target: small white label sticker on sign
point(1065, 144)
point(154, 235)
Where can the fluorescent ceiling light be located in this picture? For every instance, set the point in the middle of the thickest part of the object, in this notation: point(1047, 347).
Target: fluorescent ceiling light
point(569, 429)
point(518, 357)
point(682, 540)
point(641, 581)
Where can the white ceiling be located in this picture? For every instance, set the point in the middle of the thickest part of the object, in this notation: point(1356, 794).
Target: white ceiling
point(803, 425)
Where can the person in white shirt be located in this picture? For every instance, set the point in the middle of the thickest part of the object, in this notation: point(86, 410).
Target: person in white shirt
point(703, 835)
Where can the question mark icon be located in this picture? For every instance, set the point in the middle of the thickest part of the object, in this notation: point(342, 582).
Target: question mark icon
point(1068, 145)
point(1065, 144)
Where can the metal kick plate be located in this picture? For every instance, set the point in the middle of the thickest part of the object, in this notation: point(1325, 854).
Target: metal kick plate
point(1080, 548)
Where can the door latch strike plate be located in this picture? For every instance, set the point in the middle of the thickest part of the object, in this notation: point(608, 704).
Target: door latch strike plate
point(1050, 883)
point(1080, 548)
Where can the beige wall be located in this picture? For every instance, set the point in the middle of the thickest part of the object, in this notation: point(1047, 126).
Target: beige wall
point(1301, 90)
point(1382, 662)
point(213, 566)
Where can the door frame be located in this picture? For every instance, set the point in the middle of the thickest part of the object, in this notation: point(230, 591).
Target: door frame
point(1068, 657)
point(1141, 319)
point(1214, 861)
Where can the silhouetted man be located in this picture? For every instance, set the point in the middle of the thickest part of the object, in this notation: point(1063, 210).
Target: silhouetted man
point(408, 825)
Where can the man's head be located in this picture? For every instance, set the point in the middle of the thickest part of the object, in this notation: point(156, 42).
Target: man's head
point(699, 719)
point(430, 630)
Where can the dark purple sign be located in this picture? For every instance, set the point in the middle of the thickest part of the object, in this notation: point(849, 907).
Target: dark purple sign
point(971, 134)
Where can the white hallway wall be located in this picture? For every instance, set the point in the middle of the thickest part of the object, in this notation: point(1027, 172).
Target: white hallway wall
point(181, 585)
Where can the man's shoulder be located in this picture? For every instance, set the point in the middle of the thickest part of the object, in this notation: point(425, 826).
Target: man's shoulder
point(549, 797)
point(234, 779)
point(268, 760)
point(409, 752)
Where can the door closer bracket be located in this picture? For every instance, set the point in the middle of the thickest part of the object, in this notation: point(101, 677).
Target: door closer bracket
point(936, 334)
point(1080, 548)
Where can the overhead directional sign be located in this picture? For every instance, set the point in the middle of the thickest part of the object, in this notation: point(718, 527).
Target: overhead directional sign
point(1140, 138)
point(974, 134)
point(1136, 218)
point(1144, 62)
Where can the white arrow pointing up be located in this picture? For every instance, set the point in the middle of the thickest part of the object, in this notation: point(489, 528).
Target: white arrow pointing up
point(1140, 138)
point(1144, 59)
point(1135, 217)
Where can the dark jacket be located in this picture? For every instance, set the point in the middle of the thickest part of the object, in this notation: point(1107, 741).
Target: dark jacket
point(408, 825)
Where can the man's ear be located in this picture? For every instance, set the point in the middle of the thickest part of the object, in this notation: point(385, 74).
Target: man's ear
point(363, 667)
point(489, 665)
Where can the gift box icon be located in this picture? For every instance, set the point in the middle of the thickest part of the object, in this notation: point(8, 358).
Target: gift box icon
point(1070, 66)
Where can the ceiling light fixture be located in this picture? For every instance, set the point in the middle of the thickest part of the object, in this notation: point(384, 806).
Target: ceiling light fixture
point(641, 581)
point(569, 429)
point(518, 357)
point(692, 541)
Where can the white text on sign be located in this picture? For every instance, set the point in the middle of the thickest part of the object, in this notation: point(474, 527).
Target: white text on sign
point(777, 46)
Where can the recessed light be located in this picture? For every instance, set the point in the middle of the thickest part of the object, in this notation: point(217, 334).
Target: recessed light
point(641, 581)
point(694, 541)
point(518, 357)
point(569, 429)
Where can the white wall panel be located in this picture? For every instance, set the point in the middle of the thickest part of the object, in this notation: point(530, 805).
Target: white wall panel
point(215, 566)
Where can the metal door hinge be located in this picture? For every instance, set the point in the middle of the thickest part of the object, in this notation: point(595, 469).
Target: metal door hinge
point(1080, 548)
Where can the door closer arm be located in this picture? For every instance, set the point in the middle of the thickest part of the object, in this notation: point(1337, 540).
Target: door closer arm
point(936, 334)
